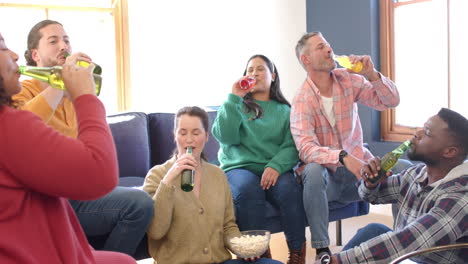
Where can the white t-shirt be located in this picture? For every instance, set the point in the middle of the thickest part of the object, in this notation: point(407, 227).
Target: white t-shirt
point(328, 106)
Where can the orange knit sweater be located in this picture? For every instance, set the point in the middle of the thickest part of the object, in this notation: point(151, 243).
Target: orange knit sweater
point(63, 119)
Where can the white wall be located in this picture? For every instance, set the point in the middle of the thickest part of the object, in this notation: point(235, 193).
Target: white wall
point(186, 52)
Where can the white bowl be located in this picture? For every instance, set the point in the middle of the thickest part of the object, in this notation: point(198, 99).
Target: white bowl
point(250, 243)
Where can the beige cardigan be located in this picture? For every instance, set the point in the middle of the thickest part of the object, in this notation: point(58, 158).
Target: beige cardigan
point(187, 229)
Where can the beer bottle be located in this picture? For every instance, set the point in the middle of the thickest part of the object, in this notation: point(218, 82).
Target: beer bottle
point(53, 76)
point(187, 179)
point(389, 160)
point(346, 63)
point(97, 69)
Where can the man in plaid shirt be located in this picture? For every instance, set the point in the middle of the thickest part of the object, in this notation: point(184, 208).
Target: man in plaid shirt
point(327, 131)
point(432, 198)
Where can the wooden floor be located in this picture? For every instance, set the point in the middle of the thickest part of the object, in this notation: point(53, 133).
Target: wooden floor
point(349, 227)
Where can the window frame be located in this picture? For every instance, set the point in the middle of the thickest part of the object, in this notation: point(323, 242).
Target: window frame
point(119, 9)
point(390, 131)
point(122, 49)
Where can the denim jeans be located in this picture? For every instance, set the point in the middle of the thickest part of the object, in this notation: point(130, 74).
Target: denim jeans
point(366, 233)
point(250, 203)
point(325, 190)
point(123, 214)
point(259, 261)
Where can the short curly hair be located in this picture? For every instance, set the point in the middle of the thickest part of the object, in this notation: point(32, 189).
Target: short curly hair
point(457, 126)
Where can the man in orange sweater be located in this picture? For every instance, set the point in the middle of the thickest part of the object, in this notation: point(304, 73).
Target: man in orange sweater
point(122, 215)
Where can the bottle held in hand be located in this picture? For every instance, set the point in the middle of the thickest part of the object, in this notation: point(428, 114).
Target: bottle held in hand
point(187, 179)
point(389, 160)
point(346, 63)
point(53, 76)
point(247, 83)
point(97, 69)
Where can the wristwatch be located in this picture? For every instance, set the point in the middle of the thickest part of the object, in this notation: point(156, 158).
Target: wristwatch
point(342, 155)
point(325, 259)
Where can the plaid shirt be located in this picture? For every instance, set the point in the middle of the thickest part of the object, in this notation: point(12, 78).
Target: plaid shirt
point(319, 142)
point(442, 220)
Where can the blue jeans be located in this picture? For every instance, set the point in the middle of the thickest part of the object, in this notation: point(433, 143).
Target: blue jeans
point(366, 233)
point(123, 214)
point(250, 203)
point(324, 190)
point(259, 261)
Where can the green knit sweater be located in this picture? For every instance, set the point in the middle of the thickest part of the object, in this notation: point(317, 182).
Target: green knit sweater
point(254, 144)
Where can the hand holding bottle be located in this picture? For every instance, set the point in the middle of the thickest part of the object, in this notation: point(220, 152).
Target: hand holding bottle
point(368, 69)
point(187, 180)
point(345, 62)
point(83, 60)
point(243, 86)
point(184, 162)
point(370, 173)
point(76, 57)
point(247, 82)
point(362, 65)
point(380, 168)
point(78, 80)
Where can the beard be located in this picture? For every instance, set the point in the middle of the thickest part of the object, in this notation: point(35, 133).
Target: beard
point(415, 156)
point(51, 62)
point(326, 66)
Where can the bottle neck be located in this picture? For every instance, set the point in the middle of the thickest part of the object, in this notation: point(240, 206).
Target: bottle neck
point(39, 73)
point(402, 148)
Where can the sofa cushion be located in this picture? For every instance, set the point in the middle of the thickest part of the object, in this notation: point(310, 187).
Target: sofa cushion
point(131, 181)
point(161, 127)
point(130, 132)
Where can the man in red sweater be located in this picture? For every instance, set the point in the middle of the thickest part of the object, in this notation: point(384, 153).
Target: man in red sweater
point(39, 167)
point(122, 216)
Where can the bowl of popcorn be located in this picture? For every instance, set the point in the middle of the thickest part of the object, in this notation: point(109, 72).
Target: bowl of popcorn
point(250, 244)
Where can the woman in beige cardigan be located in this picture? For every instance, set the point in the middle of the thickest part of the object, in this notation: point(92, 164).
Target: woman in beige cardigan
point(196, 226)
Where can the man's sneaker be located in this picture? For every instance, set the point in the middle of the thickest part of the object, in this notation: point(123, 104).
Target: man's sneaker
point(324, 257)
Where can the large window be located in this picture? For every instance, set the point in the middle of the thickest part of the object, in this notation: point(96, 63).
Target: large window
point(190, 52)
point(90, 24)
point(424, 49)
point(161, 55)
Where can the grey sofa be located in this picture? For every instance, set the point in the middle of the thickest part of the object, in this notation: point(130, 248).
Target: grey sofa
point(144, 140)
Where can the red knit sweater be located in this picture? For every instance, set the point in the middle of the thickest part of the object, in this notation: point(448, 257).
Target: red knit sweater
point(39, 170)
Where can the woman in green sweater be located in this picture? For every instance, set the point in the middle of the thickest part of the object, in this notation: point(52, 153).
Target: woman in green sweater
point(196, 226)
point(258, 153)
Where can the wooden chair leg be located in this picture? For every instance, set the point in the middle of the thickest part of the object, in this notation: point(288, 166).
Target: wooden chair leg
point(338, 232)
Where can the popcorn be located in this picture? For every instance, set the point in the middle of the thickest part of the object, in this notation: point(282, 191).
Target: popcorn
point(249, 246)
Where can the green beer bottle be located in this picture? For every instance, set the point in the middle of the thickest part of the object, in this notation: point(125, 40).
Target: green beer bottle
point(97, 69)
point(389, 160)
point(186, 181)
point(53, 76)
